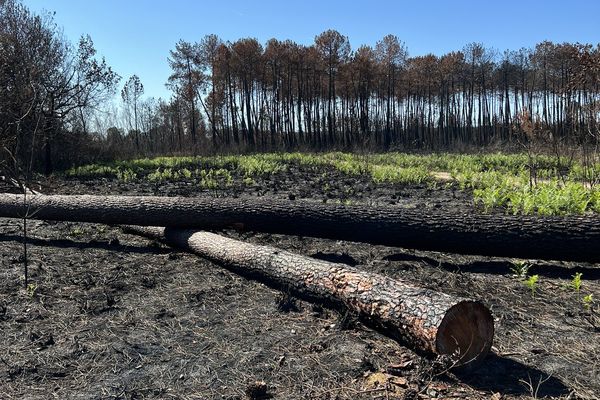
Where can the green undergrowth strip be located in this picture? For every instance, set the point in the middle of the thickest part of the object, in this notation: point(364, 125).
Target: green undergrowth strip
point(496, 180)
point(544, 198)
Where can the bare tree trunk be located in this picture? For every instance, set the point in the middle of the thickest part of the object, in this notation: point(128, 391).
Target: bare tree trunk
point(430, 321)
point(553, 238)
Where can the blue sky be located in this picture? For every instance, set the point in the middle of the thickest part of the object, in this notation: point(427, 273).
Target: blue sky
point(135, 36)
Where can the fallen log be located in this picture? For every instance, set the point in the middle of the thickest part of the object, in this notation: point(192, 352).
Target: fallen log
point(552, 238)
point(430, 321)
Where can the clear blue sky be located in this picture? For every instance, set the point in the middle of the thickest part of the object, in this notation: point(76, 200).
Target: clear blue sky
point(135, 36)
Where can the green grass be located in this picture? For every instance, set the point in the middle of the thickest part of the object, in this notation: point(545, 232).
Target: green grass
point(496, 180)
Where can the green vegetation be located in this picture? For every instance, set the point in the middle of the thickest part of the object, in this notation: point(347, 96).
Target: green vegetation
point(169, 174)
point(214, 178)
point(588, 300)
point(520, 268)
point(393, 174)
point(531, 283)
point(576, 282)
point(32, 289)
point(249, 181)
point(517, 183)
point(545, 198)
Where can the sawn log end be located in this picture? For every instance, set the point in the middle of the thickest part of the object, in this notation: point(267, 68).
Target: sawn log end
point(466, 333)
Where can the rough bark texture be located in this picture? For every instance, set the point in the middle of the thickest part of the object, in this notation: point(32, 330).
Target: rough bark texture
point(430, 321)
point(554, 238)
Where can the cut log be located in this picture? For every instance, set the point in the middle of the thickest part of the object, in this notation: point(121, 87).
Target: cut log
point(430, 321)
point(554, 238)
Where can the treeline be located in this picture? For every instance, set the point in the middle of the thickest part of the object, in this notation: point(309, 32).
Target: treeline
point(246, 96)
point(286, 95)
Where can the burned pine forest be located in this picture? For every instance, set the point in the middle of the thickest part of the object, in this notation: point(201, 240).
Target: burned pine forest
point(320, 220)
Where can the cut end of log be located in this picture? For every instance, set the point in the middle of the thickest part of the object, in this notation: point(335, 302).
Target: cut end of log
point(466, 333)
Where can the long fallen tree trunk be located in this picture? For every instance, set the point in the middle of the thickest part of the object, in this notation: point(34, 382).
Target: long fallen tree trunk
point(554, 238)
point(430, 321)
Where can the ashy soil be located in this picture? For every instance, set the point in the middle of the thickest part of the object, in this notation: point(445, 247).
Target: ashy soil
point(109, 315)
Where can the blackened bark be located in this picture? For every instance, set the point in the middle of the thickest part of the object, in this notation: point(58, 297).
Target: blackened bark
point(554, 238)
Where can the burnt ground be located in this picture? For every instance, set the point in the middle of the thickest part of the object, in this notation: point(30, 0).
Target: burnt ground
point(110, 315)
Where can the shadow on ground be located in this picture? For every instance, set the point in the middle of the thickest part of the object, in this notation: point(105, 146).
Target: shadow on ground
point(92, 244)
point(500, 267)
point(506, 376)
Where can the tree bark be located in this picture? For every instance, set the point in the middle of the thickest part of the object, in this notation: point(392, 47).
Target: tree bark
point(430, 321)
point(553, 238)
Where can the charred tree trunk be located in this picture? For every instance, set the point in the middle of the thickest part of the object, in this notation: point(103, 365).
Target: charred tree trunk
point(553, 238)
point(430, 321)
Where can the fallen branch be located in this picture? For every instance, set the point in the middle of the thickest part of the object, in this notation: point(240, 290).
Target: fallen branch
point(553, 238)
point(18, 185)
point(430, 321)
